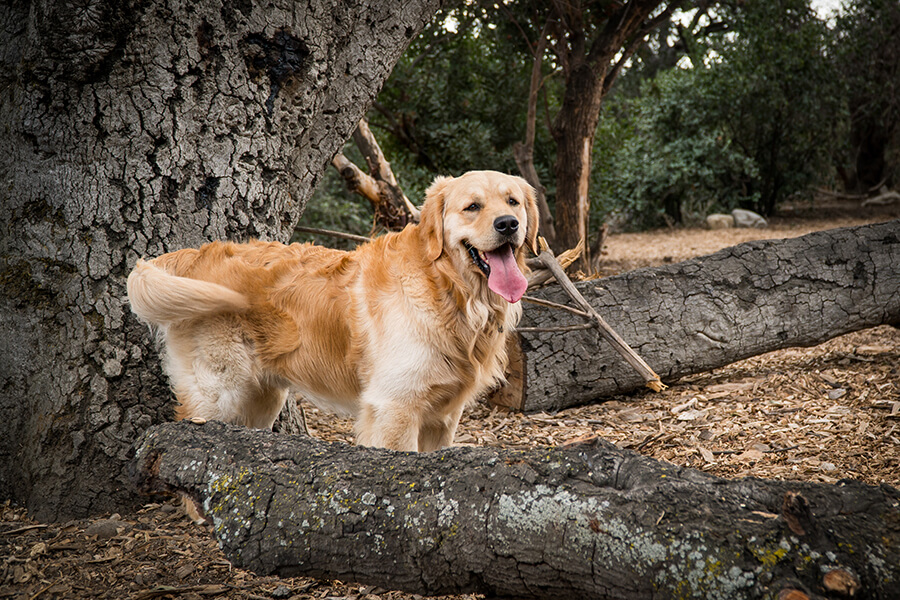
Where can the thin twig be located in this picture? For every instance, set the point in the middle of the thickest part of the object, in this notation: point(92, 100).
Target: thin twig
point(24, 529)
point(550, 304)
point(577, 327)
point(770, 451)
point(336, 234)
point(45, 588)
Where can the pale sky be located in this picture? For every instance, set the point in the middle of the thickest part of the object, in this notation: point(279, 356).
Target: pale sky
point(825, 7)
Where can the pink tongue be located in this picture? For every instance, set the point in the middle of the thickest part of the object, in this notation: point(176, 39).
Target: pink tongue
point(505, 278)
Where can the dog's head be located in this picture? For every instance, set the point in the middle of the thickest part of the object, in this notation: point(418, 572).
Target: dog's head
point(482, 221)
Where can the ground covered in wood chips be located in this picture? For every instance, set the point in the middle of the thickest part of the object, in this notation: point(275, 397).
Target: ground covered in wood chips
point(815, 414)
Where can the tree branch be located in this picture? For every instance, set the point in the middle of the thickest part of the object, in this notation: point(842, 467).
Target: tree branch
point(357, 180)
point(392, 208)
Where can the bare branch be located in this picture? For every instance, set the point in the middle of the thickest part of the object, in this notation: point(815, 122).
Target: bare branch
point(393, 209)
point(336, 234)
point(356, 180)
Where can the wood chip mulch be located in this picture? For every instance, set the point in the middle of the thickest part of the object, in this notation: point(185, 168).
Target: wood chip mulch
point(817, 414)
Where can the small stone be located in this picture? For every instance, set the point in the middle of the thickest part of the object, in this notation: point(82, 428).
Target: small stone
point(748, 218)
point(106, 528)
point(717, 221)
point(281, 592)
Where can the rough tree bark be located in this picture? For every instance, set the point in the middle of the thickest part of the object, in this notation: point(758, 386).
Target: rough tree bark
point(583, 521)
point(708, 312)
point(132, 128)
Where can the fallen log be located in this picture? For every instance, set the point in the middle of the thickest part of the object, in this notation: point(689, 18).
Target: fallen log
point(547, 258)
point(582, 521)
point(707, 312)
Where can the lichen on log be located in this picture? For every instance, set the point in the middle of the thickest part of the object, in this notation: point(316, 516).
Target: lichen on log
point(586, 521)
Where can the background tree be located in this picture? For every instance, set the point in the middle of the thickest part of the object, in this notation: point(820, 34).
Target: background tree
point(867, 50)
point(726, 104)
point(460, 100)
point(132, 129)
point(590, 42)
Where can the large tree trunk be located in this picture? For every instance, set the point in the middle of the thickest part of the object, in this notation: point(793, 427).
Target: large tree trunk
point(590, 67)
point(131, 129)
point(584, 521)
point(709, 312)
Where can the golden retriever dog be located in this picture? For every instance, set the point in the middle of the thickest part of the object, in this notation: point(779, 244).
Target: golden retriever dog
point(402, 333)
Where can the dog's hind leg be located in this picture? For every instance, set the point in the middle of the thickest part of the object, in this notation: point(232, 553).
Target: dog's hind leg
point(215, 375)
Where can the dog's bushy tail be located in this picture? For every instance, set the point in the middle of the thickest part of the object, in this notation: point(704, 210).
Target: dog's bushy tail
point(158, 297)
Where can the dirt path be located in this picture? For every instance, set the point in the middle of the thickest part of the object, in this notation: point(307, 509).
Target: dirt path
point(818, 414)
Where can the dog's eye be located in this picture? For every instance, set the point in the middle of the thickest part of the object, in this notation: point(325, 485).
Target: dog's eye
point(513, 202)
point(473, 207)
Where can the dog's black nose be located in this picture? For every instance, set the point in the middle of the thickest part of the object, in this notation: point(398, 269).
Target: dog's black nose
point(506, 225)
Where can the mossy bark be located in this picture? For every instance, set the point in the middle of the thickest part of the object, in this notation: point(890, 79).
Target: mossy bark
point(708, 312)
point(583, 521)
point(132, 128)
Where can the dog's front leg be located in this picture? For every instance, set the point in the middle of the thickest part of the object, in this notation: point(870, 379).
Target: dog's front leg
point(388, 425)
point(439, 433)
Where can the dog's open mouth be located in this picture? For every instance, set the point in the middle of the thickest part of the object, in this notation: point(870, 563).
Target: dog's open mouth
point(499, 265)
point(476, 258)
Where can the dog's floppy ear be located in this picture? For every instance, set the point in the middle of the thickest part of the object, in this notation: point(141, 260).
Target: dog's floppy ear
point(431, 223)
point(534, 217)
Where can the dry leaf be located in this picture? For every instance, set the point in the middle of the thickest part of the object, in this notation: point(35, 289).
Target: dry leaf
point(691, 415)
point(750, 455)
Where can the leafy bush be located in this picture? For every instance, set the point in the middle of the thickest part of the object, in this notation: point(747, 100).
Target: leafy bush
point(676, 165)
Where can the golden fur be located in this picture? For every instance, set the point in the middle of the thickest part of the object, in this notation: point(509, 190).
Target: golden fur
point(401, 333)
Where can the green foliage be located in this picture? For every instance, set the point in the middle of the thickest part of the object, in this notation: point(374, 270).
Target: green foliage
point(745, 109)
point(751, 122)
point(677, 165)
point(779, 93)
point(456, 101)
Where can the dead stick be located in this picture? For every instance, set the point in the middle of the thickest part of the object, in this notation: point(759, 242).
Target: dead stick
point(561, 328)
point(337, 234)
point(549, 304)
point(650, 377)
